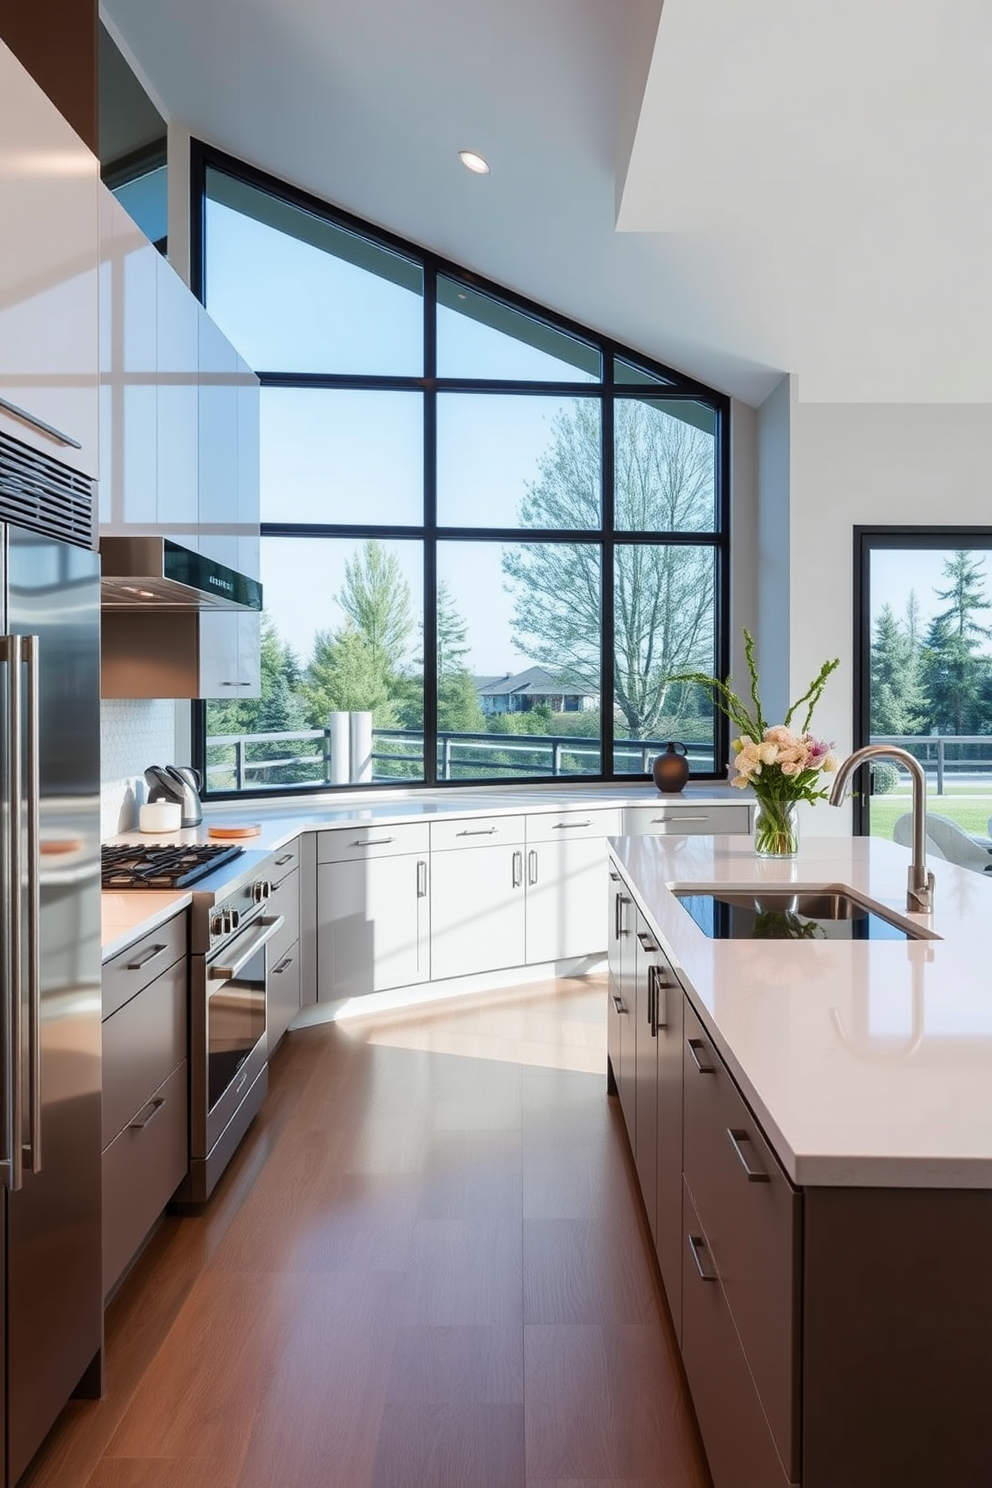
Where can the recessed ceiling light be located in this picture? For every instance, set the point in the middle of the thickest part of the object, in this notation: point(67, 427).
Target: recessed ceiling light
point(474, 162)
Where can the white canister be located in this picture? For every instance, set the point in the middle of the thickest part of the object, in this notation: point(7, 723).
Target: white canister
point(160, 816)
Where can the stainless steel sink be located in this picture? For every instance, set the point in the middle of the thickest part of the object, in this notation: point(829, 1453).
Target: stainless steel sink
point(792, 914)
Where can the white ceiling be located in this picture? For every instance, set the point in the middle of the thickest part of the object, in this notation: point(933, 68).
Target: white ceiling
point(776, 185)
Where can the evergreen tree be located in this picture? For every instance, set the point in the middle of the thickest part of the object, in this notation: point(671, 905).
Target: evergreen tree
point(376, 598)
point(897, 704)
point(953, 671)
point(346, 674)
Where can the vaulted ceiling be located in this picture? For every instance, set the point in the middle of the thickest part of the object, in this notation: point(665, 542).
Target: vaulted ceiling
point(736, 187)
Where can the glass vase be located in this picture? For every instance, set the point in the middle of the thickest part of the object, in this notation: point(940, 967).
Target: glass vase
point(776, 828)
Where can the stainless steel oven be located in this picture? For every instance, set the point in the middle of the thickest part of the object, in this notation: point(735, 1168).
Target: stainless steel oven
point(228, 1044)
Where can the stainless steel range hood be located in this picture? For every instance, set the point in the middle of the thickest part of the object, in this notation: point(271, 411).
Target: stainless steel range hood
point(156, 573)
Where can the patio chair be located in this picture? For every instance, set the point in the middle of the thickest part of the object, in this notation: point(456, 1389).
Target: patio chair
point(946, 839)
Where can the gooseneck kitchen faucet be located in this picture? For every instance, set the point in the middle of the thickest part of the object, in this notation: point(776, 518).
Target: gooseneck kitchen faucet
point(919, 894)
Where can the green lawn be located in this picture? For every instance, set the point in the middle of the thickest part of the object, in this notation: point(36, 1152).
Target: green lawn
point(971, 812)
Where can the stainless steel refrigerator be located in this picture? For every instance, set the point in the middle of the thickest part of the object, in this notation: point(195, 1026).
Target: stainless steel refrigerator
point(50, 983)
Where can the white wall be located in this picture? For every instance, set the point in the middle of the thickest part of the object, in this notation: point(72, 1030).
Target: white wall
point(855, 465)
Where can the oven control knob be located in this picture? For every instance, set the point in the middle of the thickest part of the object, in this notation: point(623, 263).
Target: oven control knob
point(234, 918)
point(217, 925)
point(261, 890)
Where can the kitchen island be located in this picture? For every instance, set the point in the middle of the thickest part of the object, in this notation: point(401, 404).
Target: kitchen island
point(811, 1122)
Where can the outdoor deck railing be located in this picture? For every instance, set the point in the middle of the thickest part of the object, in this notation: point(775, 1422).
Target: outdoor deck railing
point(397, 754)
point(937, 753)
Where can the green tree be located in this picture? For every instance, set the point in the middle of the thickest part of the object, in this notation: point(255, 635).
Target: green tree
point(376, 598)
point(897, 703)
point(663, 610)
point(346, 674)
point(458, 708)
point(278, 709)
point(953, 671)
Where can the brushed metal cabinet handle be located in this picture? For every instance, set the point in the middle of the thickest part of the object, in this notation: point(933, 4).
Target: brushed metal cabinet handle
point(563, 826)
point(479, 832)
point(150, 954)
point(694, 1045)
point(372, 841)
point(532, 868)
point(662, 820)
point(39, 424)
point(518, 869)
point(286, 858)
point(284, 965)
point(697, 1244)
point(141, 1121)
point(421, 878)
point(617, 1002)
point(754, 1175)
point(645, 940)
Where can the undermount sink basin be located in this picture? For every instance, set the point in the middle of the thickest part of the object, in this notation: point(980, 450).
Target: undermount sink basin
point(792, 914)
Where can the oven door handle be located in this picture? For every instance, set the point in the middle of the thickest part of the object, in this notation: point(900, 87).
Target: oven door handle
point(256, 938)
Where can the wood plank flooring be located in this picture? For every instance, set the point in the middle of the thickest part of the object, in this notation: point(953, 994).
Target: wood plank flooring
point(427, 1267)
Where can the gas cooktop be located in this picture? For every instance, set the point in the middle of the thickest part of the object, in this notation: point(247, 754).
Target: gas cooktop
point(154, 866)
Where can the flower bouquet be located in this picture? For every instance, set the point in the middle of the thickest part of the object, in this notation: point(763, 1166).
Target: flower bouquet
point(781, 765)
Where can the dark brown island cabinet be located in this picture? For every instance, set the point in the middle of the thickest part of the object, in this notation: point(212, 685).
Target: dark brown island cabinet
point(833, 1337)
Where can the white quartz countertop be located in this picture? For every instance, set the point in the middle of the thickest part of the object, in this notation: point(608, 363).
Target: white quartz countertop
point(867, 1063)
point(126, 917)
point(280, 821)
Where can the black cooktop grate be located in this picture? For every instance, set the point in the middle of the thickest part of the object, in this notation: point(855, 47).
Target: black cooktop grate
point(151, 867)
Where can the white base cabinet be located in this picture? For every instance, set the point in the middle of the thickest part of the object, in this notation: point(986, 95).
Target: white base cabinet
point(478, 912)
point(565, 857)
point(398, 905)
point(372, 910)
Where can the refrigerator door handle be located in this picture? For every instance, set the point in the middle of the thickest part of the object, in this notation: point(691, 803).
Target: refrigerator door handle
point(10, 795)
point(32, 800)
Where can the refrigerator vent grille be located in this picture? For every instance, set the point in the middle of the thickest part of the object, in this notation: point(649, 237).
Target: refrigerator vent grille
point(44, 495)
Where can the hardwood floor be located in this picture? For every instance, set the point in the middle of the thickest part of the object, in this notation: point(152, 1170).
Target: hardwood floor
point(427, 1267)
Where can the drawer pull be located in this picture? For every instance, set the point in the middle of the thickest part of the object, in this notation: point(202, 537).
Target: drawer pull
point(147, 1115)
point(150, 954)
point(372, 841)
point(532, 868)
point(517, 875)
point(645, 940)
point(694, 1045)
point(660, 1000)
point(563, 827)
point(284, 965)
point(696, 1244)
point(421, 878)
point(754, 1175)
point(617, 1003)
point(479, 832)
point(661, 820)
point(286, 858)
point(615, 876)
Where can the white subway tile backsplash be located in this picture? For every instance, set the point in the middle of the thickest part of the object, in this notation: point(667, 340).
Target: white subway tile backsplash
point(134, 733)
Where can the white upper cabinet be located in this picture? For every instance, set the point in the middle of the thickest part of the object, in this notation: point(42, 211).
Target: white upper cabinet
point(218, 444)
point(177, 402)
point(48, 276)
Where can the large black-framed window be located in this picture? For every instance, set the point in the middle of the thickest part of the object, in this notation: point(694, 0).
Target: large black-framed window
point(923, 681)
point(488, 534)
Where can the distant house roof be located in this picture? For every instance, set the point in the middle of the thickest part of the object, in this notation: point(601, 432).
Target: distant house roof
point(535, 681)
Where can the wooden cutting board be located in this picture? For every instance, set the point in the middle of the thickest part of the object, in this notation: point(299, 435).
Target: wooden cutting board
point(247, 829)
